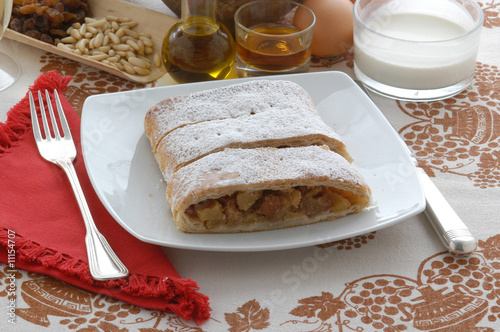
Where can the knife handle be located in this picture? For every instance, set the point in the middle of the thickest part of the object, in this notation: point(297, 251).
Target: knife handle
point(451, 230)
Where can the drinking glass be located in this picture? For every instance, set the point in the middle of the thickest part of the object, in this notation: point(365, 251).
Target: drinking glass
point(9, 70)
point(273, 37)
point(416, 50)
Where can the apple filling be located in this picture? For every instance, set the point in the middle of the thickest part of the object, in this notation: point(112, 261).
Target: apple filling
point(271, 205)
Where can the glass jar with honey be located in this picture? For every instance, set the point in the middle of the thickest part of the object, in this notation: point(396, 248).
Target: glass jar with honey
point(198, 47)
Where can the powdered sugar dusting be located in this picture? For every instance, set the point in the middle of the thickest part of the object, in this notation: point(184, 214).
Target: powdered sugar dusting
point(282, 127)
point(227, 102)
point(233, 167)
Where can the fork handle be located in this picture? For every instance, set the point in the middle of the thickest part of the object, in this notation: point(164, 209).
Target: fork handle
point(103, 262)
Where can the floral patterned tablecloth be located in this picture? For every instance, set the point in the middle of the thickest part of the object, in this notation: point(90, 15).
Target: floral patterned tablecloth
point(396, 279)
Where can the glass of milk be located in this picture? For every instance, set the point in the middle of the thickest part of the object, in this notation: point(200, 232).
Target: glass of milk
point(416, 49)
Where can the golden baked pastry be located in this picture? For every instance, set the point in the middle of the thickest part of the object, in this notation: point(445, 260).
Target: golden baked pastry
point(243, 190)
point(252, 156)
point(232, 101)
point(279, 128)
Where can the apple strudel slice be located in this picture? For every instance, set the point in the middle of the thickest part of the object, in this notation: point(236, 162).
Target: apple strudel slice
point(280, 128)
point(244, 190)
point(232, 101)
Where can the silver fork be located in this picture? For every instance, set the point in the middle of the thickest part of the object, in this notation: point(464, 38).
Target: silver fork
point(60, 150)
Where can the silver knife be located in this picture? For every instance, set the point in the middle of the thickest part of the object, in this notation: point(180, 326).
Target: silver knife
point(451, 230)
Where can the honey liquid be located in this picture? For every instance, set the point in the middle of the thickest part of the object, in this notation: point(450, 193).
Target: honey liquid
point(198, 50)
point(271, 53)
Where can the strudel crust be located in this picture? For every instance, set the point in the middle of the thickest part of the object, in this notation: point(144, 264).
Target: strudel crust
point(243, 190)
point(280, 128)
point(221, 103)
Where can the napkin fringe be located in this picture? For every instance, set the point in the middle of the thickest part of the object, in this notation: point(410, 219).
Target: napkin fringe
point(18, 118)
point(187, 304)
point(181, 294)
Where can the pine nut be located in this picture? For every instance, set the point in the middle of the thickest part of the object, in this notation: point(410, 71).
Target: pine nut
point(98, 57)
point(121, 47)
point(105, 41)
point(118, 65)
point(114, 38)
point(157, 60)
point(132, 33)
point(141, 47)
point(114, 25)
point(121, 54)
point(81, 45)
point(83, 29)
point(92, 30)
point(105, 49)
point(112, 18)
point(130, 54)
point(120, 32)
point(69, 40)
point(99, 38)
point(98, 23)
point(148, 62)
point(64, 47)
point(137, 62)
point(133, 44)
point(141, 71)
point(147, 42)
point(76, 34)
point(129, 68)
point(131, 24)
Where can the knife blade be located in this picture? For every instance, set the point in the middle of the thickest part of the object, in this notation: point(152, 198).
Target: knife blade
point(450, 228)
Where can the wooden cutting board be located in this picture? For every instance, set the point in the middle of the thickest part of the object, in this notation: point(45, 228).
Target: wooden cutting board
point(155, 23)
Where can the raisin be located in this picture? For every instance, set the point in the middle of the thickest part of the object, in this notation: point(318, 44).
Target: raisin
point(46, 38)
point(16, 24)
point(28, 25)
point(54, 15)
point(42, 23)
point(58, 33)
point(33, 34)
point(69, 17)
point(29, 9)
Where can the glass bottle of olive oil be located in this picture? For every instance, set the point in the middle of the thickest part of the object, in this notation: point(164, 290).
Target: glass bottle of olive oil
point(198, 47)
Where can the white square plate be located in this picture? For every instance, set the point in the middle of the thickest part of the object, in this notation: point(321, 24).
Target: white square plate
point(126, 177)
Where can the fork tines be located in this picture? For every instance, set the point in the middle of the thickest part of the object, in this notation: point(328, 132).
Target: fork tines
point(49, 136)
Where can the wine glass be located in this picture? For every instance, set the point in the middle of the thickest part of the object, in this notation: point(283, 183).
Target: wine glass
point(9, 70)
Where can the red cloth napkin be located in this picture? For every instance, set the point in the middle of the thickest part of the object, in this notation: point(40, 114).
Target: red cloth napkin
point(39, 213)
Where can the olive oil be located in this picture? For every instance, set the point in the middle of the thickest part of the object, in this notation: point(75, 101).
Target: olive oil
point(198, 49)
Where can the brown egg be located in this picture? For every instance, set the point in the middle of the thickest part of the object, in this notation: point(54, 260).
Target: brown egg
point(333, 32)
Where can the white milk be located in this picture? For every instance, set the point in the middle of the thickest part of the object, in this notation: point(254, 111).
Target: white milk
point(415, 51)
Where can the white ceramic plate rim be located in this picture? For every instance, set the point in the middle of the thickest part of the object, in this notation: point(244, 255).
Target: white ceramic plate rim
point(124, 173)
